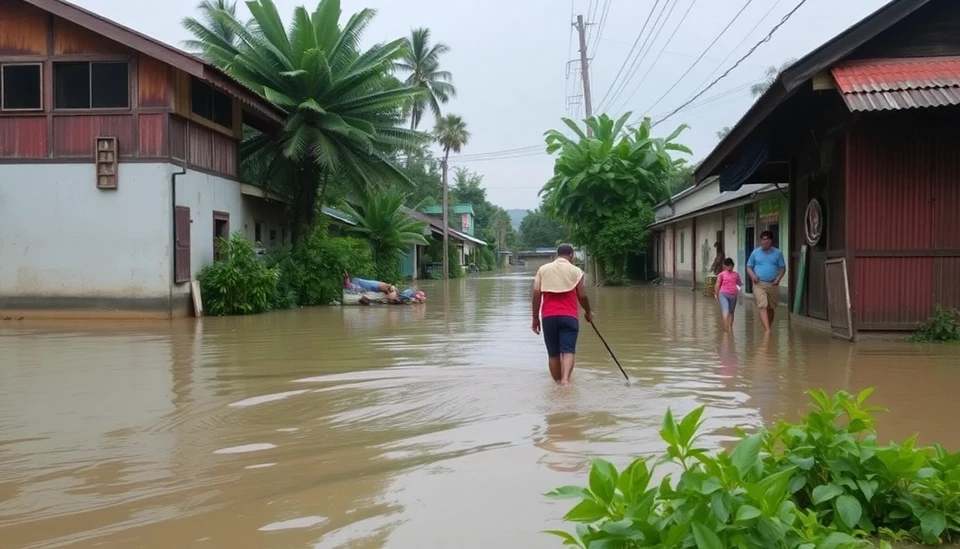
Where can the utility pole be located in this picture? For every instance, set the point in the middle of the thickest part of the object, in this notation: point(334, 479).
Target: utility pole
point(584, 70)
point(446, 221)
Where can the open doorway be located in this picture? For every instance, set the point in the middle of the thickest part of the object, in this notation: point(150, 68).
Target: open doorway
point(749, 243)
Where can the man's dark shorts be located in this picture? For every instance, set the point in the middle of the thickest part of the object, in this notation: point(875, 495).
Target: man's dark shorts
point(560, 334)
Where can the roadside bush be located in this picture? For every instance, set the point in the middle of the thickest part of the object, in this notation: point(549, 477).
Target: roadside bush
point(318, 263)
point(287, 296)
point(824, 483)
point(942, 327)
point(488, 259)
point(240, 283)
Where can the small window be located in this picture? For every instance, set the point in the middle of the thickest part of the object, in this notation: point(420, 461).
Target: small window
point(91, 85)
point(211, 104)
point(21, 88)
point(257, 232)
point(273, 236)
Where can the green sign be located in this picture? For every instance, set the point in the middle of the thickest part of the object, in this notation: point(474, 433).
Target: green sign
point(769, 210)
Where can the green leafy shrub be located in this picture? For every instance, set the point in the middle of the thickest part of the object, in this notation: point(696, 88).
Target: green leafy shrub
point(942, 327)
point(319, 261)
point(287, 295)
point(824, 483)
point(240, 283)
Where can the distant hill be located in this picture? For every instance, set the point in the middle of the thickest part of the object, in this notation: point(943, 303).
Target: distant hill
point(516, 216)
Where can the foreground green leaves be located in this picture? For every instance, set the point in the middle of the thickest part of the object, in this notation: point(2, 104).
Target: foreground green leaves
point(824, 483)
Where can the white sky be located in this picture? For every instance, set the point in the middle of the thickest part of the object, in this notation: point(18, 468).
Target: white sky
point(509, 60)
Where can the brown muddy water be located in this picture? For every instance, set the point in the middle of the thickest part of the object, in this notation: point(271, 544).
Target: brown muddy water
point(400, 427)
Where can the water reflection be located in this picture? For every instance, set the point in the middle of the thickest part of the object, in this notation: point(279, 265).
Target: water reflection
point(390, 426)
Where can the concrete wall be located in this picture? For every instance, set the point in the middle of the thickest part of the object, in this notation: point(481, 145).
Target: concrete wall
point(707, 228)
point(272, 218)
point(66, 245)
point(731, 239)
point(70, 249)
point(203, 194)
point(685, 248)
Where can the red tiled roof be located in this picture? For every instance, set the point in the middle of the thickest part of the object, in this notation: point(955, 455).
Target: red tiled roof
point(895, 84)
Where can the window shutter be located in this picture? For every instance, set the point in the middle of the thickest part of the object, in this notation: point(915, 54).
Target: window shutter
point(181, 254)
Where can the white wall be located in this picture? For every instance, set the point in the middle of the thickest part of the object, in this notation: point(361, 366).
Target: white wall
point(707, 228)
point(696, 199)
point(684, 248)
point(61, 237)
point(272, 218)
point(731, 239)
point(204, 194)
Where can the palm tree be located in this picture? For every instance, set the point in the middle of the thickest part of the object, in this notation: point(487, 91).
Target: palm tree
point(210, 22)
point(423, 63)
point(342, 106)
point(451, 132)
point(381, 219)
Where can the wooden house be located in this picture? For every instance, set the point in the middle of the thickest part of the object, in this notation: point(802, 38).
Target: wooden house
point(866, 130)
point(119, 166)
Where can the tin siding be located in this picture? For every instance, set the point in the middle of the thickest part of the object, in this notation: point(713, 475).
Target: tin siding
point(904, 215)
point(74, 135)
point(23, 137)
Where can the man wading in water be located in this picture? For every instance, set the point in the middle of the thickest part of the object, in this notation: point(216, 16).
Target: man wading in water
point(766, 267)
point(557, 289)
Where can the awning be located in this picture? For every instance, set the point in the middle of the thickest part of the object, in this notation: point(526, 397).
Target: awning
point(896, 84)
point(744, 195)
point(753, 156)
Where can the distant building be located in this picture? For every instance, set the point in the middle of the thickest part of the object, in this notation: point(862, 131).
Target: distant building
point(700, 223)
point(462, 216)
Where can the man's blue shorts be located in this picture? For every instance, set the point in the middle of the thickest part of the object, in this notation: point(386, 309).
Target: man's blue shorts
point(560, 334)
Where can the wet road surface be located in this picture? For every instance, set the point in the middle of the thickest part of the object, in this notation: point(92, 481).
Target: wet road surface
point(400, 427)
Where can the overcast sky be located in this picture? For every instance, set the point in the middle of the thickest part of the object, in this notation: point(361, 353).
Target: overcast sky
point(509, 62)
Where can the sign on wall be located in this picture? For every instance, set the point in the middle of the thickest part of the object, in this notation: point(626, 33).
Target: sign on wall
point(769, 210)
point(813, 222)
point(465, 221)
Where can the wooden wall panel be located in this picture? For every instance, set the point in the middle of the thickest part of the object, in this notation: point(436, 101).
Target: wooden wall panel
point(224, 154)
point(23, 29)
point(23, 137)
point(72, 39)
point(153, 138)
point(73, 136)
point(200, 146)
point(155, 83)
point(178, 138)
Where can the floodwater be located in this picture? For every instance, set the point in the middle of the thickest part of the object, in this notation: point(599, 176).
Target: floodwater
point(400, 427)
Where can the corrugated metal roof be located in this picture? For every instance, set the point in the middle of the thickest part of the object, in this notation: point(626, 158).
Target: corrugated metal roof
point(725, 200)
point(895, 84)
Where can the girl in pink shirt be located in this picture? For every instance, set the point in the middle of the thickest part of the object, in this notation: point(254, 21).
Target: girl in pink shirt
point(727, 288)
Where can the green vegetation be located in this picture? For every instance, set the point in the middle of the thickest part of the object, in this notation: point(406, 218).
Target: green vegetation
point(610, 179)
point(422, 62)
point(942, 327)
point(539, 230)
point(824, 483)
point(343, 107)
point(310, 274)
point(239, 284)
point(381, 220)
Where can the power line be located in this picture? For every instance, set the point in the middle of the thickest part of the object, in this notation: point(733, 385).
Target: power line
point(601, 26)
point(705, 51)
point(735, 48)
point(660, 54)
point(735, 65)
point(642, 55)
point(630, 54)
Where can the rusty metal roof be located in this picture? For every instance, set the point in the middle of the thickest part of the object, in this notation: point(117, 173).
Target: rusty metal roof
point(896, 84)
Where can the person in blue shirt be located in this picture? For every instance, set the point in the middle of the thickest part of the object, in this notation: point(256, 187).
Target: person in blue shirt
point(765, 268)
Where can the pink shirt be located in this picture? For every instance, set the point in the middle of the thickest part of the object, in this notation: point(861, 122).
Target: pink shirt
point(729, 280)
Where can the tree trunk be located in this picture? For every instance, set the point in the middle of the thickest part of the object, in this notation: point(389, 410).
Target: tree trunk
point(446, 220)
point(304, 207)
